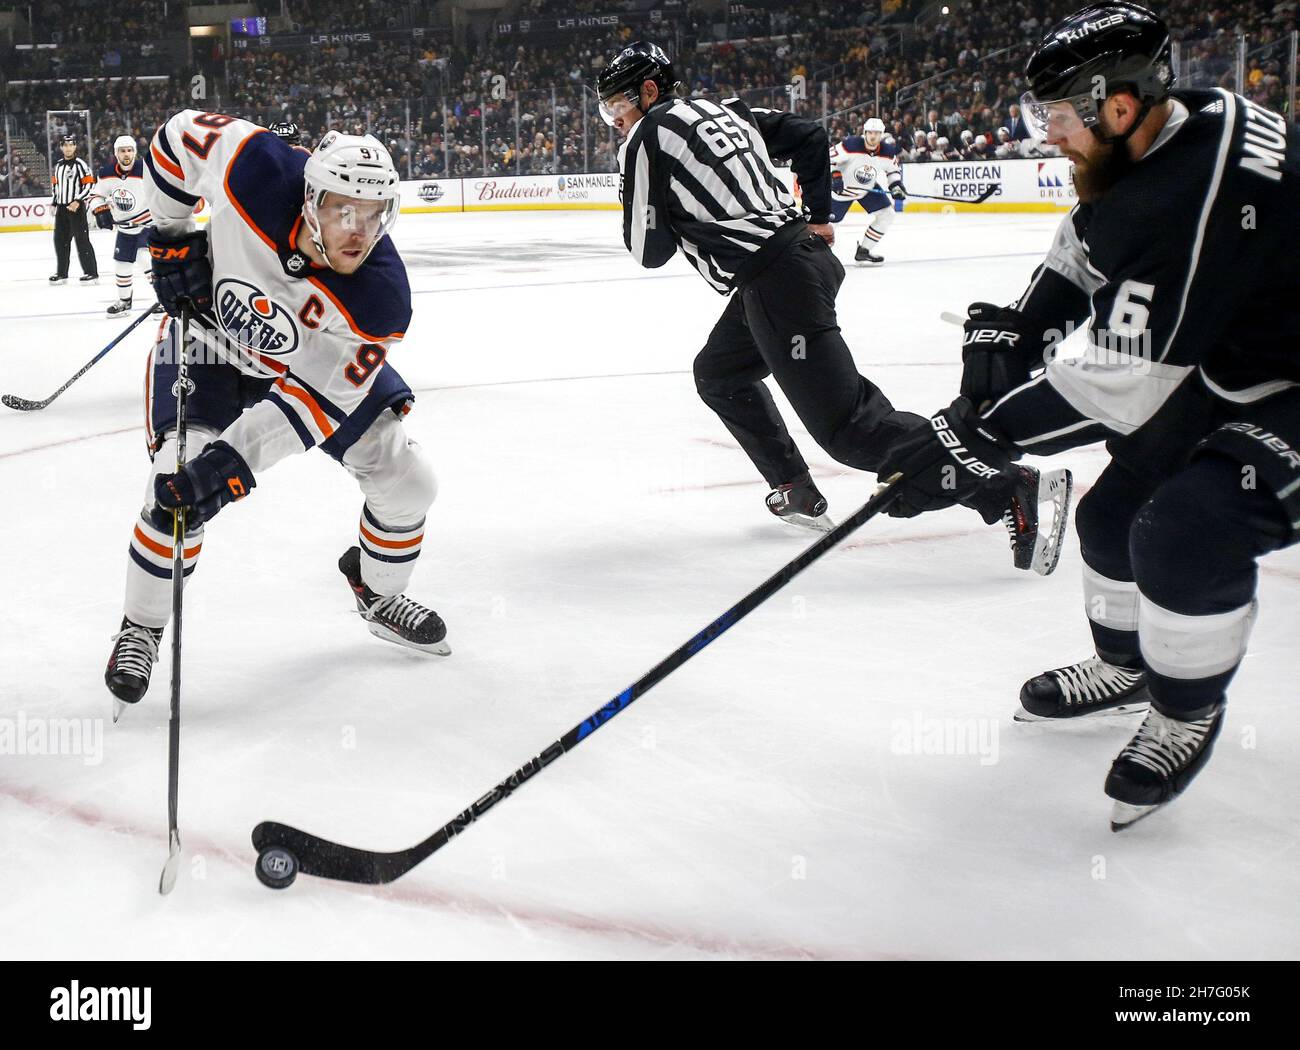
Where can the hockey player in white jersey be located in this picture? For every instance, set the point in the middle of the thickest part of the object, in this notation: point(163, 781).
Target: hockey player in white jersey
point(864, 170)
point(120, 205)
point(298, 295)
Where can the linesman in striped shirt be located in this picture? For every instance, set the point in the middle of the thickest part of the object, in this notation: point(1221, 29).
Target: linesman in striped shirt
point(699, 175)
point(71, 183)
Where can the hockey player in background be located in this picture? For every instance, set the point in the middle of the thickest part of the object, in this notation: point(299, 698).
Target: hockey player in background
point(120, 205)
point(1181, 259)
point(287, 131)
point(699, 175)
point(298, 295)
point(864, 170)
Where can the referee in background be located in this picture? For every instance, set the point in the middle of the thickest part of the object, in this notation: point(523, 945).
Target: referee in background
point(72, 181)
point(699, 175)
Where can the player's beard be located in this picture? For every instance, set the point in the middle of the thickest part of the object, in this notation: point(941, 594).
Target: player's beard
point(1096, 174)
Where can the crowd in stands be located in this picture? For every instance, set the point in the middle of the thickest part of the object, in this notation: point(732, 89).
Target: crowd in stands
point(98, 21)
point(514, 103)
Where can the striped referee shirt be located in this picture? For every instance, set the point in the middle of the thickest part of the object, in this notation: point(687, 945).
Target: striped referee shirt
point(699, 175)
point(71, 180)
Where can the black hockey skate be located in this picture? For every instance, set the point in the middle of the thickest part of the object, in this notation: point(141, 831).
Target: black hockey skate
point(1034, 546)
point(56, 279)
point(395, 618)
point(799, 503)
point(135, 651)
point(122, 306)
point(864, 256)
point(1158, 763)
point(88, 278)
point(1084, 688)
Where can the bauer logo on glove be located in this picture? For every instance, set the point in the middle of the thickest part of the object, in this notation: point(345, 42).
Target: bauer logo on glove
point(949, 439)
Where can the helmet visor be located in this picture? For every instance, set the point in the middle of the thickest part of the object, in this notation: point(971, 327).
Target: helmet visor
point(1056, 119)
point(620, 104)
point(345, 224)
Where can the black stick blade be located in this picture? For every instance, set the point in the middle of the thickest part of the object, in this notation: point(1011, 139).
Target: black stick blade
point(331, 860)
point(20, 404)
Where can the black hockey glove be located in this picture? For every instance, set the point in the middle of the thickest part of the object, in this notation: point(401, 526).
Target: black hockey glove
point(103, 217)
point(944, 460)
point(182, 274)
point(897, 192)
point(216, 476)
point(995, 353)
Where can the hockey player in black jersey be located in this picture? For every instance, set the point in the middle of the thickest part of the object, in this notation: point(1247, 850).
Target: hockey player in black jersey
point(1181, 259)
point(698, 175)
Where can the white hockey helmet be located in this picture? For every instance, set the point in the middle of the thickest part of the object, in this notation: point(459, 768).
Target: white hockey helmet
point(356, 166)
point(874, 124)
point(124, 142)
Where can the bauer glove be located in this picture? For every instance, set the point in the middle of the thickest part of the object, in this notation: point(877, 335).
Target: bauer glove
point(944, 460)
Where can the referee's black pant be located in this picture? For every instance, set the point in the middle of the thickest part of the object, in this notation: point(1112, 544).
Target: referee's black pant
point(782, 323)
point(67, 225)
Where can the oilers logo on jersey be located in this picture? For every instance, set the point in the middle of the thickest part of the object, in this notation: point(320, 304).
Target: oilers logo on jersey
point(852, 178)
point(253, 319)
point(123, 201)
point(863, 177)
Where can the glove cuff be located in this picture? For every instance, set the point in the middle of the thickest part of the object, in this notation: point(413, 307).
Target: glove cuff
point(224, 472)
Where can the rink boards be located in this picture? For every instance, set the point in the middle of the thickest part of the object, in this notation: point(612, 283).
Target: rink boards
point(1042, 185)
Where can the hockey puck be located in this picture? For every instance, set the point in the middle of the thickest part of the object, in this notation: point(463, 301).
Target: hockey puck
point(276, 867)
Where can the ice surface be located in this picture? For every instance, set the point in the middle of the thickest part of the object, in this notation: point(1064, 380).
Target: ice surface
point(765, 801)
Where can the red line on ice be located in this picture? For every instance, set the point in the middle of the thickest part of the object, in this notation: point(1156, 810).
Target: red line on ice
point(90, 816)
point(68, 441)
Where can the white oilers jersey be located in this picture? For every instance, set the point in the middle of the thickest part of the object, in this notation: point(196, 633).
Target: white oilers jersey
point(321, 336)
point(860, 171)
point(123, 190)
point(852, 176)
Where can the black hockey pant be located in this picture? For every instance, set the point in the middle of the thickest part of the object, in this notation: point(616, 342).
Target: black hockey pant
point(67, 225)
point(1170, 567)
point(782, 323)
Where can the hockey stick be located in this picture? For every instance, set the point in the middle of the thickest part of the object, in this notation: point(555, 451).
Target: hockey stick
point(988, 192)
point(283, 851)
point(168, 878)
point(23, 405)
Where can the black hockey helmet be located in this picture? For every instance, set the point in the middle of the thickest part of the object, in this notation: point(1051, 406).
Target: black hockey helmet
point(628, 70)
point(1096, 52)
point(287, 130)
point(68, 140)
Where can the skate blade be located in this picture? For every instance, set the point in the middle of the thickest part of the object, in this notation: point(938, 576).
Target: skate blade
point(1021, 715)
point(868, 263)
point(118, 707)
point(821, 523)
point(1123, 815)
point(436, 649)
point(1054, 487)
